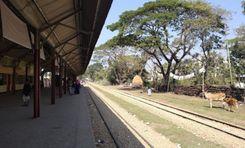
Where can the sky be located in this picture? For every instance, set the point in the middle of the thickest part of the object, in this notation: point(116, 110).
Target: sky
point(119, 6)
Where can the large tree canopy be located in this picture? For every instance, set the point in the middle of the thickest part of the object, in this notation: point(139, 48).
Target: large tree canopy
point(94, 72)
point(123, 63)
point(238, 51)
point(168, 30)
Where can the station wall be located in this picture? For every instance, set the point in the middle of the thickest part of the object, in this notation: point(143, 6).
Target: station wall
point(6, 78)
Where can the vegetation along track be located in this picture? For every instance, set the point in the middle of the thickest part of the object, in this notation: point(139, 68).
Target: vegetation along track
point(119, 116)
point(233, 130)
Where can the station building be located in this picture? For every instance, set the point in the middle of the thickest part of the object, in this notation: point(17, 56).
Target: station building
point(47, 36)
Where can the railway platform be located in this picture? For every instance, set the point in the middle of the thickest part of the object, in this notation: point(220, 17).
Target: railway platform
point(65, 124)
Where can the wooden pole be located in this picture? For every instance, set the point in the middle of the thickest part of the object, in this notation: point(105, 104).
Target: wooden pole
point(13, 79)
point(36, 75)
point(26, 72)
point(8, 82)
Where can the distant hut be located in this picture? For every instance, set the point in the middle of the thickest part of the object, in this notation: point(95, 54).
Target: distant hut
point(137, 82)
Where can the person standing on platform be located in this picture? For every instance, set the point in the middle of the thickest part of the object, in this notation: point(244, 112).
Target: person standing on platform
point(149, 91)
point(77, 87)
point(26, 93)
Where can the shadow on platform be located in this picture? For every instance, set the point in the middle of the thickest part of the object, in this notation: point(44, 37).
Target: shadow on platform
point(63, 125)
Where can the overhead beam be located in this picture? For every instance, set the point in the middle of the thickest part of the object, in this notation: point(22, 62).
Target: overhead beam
point(71, 44)
point(55, 21)
point(66, 40)
point(50, 33)
point(71, 51)
point(94, 23)
point(61, 48)
point(45, 19)
point(74, 28)
point(75, 62)
point(72, 58)
point(70, 55)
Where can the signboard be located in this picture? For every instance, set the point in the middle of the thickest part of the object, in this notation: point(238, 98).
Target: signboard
point(13, 28)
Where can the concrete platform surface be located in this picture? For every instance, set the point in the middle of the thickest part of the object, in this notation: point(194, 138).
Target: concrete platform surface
point(63, 125)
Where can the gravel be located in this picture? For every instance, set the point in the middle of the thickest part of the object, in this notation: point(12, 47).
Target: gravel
point(138, 129)
point(102, 137)
point(200, 130)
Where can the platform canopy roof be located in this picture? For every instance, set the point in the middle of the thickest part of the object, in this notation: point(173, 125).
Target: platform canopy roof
point(71, 27)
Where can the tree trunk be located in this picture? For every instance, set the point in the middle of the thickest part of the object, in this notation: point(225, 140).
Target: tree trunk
point(206, 72)
point(166, 77)
point(166, 83)
point(116, 76)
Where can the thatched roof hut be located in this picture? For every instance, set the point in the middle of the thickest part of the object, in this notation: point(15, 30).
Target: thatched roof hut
point(137, 81)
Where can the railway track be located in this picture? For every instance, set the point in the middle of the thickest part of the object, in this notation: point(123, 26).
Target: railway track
point(201, 119)
point(93, 97)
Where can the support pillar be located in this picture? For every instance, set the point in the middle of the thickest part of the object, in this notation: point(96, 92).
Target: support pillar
point(65, 80)
point(60, 77)
point(74, 78)
point(53, 77)
point(26, 72)
point(42, 80)
point(13, 79)
point(36, 75)
point(8, 79)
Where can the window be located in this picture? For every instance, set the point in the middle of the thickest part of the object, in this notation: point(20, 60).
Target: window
point(2, 79)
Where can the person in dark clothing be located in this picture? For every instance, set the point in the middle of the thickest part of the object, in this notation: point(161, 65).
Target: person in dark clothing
point(77, 87)
point(26, 93)
point(70, 86)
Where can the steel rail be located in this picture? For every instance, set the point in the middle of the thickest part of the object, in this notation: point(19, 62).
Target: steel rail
point(188, 112)
point(90, 91)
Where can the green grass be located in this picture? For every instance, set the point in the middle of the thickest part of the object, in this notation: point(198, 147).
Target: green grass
point(165, 127)
point(197, 105)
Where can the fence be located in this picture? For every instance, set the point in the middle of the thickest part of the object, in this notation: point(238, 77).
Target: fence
point(197, 91)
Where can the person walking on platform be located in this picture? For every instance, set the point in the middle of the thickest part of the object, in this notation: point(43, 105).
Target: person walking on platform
point(26, 93)
point(77, 87)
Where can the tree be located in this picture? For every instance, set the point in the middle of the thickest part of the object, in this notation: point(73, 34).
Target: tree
point(123, 64)
point(94, 72)
point(164, 29)
point(241, 33)
point(210, 29)
point(238, 58)
point(238, 51)
point(124, 68)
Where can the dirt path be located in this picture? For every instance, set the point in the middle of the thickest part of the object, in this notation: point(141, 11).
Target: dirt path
point(199, 130)
point(155, 139)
